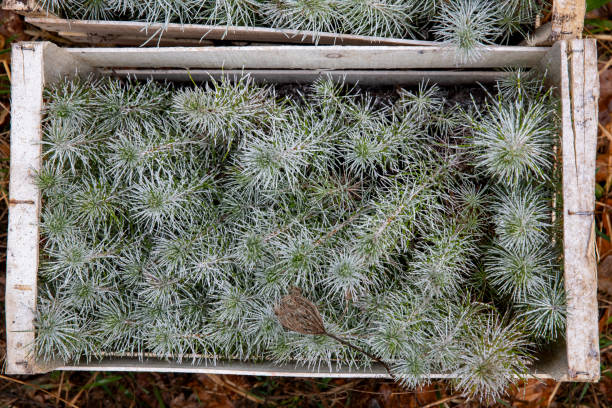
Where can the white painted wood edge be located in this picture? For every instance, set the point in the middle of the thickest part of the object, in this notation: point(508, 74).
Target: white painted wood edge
point(108, 31)
point(580, 92)
point(24, 206)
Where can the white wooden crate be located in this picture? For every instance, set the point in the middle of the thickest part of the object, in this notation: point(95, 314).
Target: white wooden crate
point(572, 71)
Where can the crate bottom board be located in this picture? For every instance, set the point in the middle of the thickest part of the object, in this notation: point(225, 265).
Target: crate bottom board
point(551, 364)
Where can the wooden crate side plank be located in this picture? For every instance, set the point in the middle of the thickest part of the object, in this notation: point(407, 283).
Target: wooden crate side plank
point(239, 368)
point(24, 206)
point(579, 141)
point(304, 57)
point(142, 31)
point(554, 67)
point(392, 77)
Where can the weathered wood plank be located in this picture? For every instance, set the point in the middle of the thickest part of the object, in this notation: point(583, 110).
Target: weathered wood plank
point(567, 19)
point(24, 206)
point(110, 31)
point(579, 150)
point(391, 77)
point(303, 57)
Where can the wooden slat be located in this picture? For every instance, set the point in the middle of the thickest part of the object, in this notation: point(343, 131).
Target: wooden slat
point(24, 206)
point(567, 19)
point(579, 148)
point(391, 77)
point(112, 31)
point(127, 40)
point(305, 57)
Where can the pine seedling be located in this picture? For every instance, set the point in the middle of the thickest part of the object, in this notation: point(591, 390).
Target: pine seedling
point(310, 15)
point(519, 272)
point(118, 326)
point(232, 304)
point(368, 151)
point(391, 224)
point(278, 158)
point(399, 324)
point(161, 287)
point(209, 262)
point(447, 331)
point(516, 15)
point(93, 9)
point(438, 265)
point(53, 6)
point(65, 144)
point(494, 358)
point(50, 179)
point(522, 84)
point(131, 262)
point(470, 197)
point(173, 250)
point(412, 370)
point(126, 155)
point(165, 199)
point(68, 101)
point(262, 328)
point(545, 311)
point(96, 202)
point(125, 7)
point(88, 291)
point(468, 25)
point(513, 140)
point(73, 255)
point(176, 337)
point(348, 276)
point(391, 339)
point(420, 105)
point(299, 255)
point(522, 218)
point(58, 332)
point(233, 12)
point(223, 110)
point(341, 192)
point(57, 223)
point(386, 18)
point(126, 106)
point(168, 11)
point(194, 306)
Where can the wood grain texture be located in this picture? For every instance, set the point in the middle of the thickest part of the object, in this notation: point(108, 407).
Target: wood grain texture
point(579, 141)
point(186, 34)
point(24, 206)
point(567, 19)
point(306, 57)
